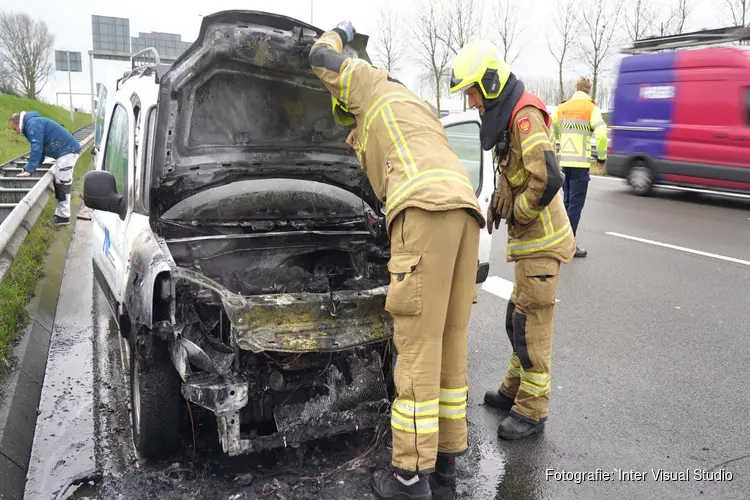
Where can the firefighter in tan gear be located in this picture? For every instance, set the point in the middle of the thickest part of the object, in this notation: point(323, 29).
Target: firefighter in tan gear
point(527, 196)
point(434, 222)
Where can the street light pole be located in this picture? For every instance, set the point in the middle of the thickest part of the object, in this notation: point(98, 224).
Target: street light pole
point(70, 87)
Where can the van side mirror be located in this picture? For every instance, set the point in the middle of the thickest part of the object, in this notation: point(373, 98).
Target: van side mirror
point(100, 193)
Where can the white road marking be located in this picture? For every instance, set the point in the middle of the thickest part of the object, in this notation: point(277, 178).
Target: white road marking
point(500, 287)
point(682, 249)
point(607, 178)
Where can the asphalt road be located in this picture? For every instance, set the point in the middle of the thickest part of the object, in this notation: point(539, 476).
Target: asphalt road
point(650, 370)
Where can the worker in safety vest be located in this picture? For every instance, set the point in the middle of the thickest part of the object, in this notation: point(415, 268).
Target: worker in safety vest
point(434, 220)
point(576, 119)
point(516, 125)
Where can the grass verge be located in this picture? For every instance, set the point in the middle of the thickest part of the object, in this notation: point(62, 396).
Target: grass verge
point(18, 286)
point(13, 145)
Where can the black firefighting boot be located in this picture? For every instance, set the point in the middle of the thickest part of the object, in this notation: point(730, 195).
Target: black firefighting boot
point(516, 426)
point(497, 399)
point(580, 252)
point(390, 485)
point(445, 470)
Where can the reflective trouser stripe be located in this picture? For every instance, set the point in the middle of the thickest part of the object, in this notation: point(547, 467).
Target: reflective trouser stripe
point(453, 411)
point(399, 141)
point(454, 395)
point(407, 407)
point(415, 417)
point(453, 402)
point(514, 368)
point(535, 383)
point(517, 248)
point(414, 425)
point(423, 178)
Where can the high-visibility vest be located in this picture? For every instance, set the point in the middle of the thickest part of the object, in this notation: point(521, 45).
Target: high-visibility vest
point(577, 119)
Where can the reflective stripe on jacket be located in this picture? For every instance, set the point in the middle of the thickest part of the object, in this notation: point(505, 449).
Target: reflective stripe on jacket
point(540, 225)
point(400, 143)
point(576, 119)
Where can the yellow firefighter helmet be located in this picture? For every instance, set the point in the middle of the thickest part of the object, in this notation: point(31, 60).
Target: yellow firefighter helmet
point(342, 115)
point(479, 63)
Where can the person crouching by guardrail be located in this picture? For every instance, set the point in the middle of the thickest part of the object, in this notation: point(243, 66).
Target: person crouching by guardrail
point(49, 138)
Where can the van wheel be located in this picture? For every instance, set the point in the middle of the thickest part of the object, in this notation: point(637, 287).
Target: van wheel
point(155, 397)
point(641, 178)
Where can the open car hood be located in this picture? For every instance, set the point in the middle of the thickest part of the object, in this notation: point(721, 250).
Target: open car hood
point(243, 103)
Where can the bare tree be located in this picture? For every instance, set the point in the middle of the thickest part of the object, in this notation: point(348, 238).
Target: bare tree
point(432, 52)
point(599, 24)
point(389, 40)
point(544, 88)
point(561, 40)
point(678, 16)
point(508, 28)
point(674, 19)
point(462, 24)
point(7, 85)
point(736, 12)
point(639, 19)
point(25, 48)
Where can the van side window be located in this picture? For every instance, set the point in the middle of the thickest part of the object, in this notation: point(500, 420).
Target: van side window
point(117, 151)
point(464, 140)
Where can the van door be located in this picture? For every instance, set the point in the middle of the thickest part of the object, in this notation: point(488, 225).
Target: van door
point(117, 157)
point(462, 130)
point(101, 114)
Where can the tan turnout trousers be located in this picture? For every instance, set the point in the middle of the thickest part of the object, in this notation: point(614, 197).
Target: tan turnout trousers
point(433, 267)
point(529, 324)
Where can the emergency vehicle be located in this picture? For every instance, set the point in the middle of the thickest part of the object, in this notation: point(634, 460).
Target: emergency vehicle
point(681, 118)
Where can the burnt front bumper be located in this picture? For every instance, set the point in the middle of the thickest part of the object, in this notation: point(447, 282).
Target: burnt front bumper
point(352, 403)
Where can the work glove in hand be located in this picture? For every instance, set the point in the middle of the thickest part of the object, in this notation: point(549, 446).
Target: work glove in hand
point(501, 206)
point(491, 215)
point(348, 28)
point(504, 197)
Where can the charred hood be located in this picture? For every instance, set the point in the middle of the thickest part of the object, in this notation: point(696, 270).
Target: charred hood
point(242, 103)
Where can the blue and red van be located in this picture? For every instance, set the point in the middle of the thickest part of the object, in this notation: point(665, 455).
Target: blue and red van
point(682, 117)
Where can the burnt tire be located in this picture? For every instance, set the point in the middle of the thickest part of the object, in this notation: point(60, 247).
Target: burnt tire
point(157, 404)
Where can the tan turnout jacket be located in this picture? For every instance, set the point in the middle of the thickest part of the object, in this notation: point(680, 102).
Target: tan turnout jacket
point(540, 225)
point(400, 143)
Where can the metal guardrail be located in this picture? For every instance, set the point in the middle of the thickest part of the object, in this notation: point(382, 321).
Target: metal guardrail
point(22, 199)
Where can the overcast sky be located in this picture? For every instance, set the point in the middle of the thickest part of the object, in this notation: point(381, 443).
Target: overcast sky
point(71, 24)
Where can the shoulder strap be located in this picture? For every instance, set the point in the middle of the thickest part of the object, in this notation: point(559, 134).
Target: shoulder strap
point(528, 99)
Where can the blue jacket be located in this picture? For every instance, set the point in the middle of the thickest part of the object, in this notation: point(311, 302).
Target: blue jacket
point(47, 138)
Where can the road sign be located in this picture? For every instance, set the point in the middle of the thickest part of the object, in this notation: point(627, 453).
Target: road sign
point(66, 60)
point(61, 61)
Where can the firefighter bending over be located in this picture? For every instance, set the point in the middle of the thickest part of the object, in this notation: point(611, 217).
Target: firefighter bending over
point(516, 125)
point(434, 221)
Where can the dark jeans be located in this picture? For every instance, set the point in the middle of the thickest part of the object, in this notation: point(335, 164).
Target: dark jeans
point(575, 187)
